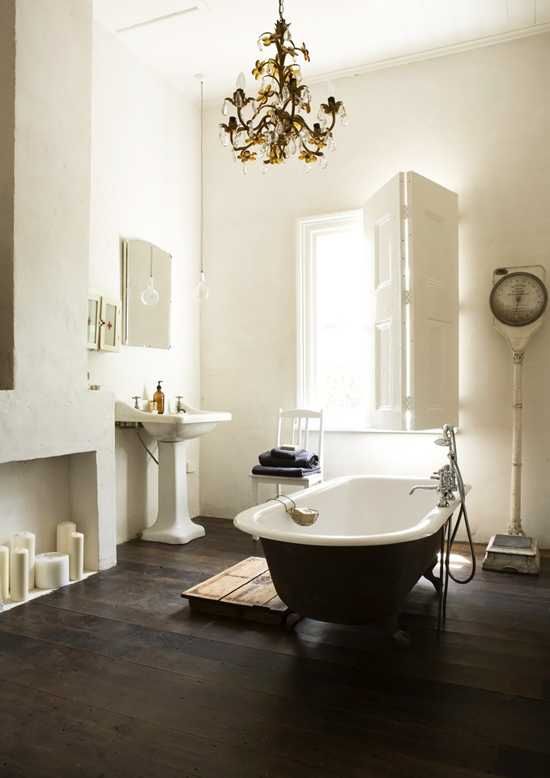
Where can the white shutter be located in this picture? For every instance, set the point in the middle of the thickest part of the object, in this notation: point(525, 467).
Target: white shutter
point(432, 322)
point(384, 228)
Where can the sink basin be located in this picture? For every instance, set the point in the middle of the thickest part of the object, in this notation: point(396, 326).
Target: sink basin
point(172, 427)
point(171, 430)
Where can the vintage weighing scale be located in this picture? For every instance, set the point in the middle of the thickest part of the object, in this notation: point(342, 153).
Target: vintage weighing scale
point(518, 301)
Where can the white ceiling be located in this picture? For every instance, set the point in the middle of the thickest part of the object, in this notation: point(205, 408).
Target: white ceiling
point(219, 39)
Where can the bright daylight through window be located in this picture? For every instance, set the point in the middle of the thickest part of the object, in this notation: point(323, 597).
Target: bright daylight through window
point(335, 348)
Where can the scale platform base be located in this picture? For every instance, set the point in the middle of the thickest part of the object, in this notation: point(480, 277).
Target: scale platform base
point(512, 554)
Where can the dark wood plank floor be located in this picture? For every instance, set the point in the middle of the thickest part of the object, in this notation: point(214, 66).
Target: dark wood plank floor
point(113, 677)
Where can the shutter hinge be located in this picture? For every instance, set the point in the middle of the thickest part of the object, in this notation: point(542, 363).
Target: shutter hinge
point(409, 404)
point(406, 297)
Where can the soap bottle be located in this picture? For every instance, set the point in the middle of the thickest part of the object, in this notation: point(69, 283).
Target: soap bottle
point(158, 397)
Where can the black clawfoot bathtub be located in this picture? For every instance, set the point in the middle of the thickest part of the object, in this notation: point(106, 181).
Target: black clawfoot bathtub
point(357, 563)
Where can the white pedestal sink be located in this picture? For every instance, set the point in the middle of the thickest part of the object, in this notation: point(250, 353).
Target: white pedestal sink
point(173, 524)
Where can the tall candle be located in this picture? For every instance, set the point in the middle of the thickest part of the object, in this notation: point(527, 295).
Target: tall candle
point(19, 578)
point(26, 540)
point(76, 556)
point(64, 532)
point(4, 573)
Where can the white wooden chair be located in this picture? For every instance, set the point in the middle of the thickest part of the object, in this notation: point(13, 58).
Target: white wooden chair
point(300, 422)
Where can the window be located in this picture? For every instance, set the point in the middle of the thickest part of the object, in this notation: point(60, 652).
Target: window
point(378, 310)
point(334, 345)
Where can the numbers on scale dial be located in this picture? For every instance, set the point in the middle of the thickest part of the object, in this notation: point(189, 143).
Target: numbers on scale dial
point(518, 299)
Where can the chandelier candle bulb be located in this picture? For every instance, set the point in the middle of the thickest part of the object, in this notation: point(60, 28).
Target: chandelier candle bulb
point(19, 574)
point(26, 540)
point(52, 570)
point(4, 573)
point(64, 531)
point(278, 116)
point(76, 556)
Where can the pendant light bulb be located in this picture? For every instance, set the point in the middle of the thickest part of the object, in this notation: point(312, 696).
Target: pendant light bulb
point(202, 292)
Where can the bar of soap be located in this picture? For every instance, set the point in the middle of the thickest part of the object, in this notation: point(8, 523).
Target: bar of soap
point(52, 570)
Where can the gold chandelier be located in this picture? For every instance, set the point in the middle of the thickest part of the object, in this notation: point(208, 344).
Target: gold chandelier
point(272, 127)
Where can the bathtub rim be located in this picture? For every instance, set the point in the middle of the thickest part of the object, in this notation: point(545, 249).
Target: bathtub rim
point(248, 521)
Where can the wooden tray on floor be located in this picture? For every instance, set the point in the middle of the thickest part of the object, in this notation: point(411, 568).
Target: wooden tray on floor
point(243, 591)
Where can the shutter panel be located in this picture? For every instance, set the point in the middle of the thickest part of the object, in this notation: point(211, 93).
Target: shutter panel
point(385, 241)
point(432, 332)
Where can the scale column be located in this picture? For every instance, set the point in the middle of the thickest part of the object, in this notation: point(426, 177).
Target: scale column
point(514, 527)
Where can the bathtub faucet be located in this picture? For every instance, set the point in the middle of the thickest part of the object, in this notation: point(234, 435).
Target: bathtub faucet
point(445, 487)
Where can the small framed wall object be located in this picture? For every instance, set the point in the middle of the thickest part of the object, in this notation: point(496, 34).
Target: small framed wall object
point(109, 325)
point(94, 311)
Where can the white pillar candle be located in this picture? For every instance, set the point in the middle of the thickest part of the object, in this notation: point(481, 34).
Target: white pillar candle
point(4, 573)
point(19, 578)
point(26, 540)
point(52, 570)
point(64, 532)
point(76, 556)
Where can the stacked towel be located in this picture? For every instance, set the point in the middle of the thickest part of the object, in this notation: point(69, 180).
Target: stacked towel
point(285, 472)
point(280, 457)
point(287, 463)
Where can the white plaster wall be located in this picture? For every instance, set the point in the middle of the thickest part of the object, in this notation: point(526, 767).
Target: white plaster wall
point(51, 413)
point(7, 153)
point(478, 123)
point(145, 184)
point(35, 495)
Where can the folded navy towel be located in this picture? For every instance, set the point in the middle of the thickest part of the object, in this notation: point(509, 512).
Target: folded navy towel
point(285, 472)
point(300, 459)
point(286, 453)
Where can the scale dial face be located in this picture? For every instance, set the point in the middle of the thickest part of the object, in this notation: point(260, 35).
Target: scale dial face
point(518, 299)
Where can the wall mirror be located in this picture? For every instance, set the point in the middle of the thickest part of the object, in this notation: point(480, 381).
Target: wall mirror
point(146, 294)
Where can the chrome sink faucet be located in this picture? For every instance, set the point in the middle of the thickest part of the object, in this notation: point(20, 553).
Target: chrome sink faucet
point(446, 486)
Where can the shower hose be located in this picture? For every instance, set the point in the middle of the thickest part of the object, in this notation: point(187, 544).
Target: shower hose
point(448, 440)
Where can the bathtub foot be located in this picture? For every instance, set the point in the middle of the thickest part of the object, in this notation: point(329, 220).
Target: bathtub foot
point(291, 620)
point(435, 580)
point(401, 638)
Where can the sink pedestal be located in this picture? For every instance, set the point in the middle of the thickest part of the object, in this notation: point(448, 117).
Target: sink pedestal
point(173, 524)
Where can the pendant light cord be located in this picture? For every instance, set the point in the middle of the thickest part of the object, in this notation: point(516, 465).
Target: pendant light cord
point(281, 8)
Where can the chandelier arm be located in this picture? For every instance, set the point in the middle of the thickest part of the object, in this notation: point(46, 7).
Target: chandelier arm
point(306, 126)
point(240, 117)
point(258, 130)
point(315, 152)
point(330, 129)
point(270, 75)
point(285, 104)
point(241, 148)
point(270, 61)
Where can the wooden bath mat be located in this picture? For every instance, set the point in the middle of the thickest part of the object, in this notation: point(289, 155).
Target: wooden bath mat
point(243, 591)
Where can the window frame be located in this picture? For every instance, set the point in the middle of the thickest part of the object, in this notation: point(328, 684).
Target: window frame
point(307, 228)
